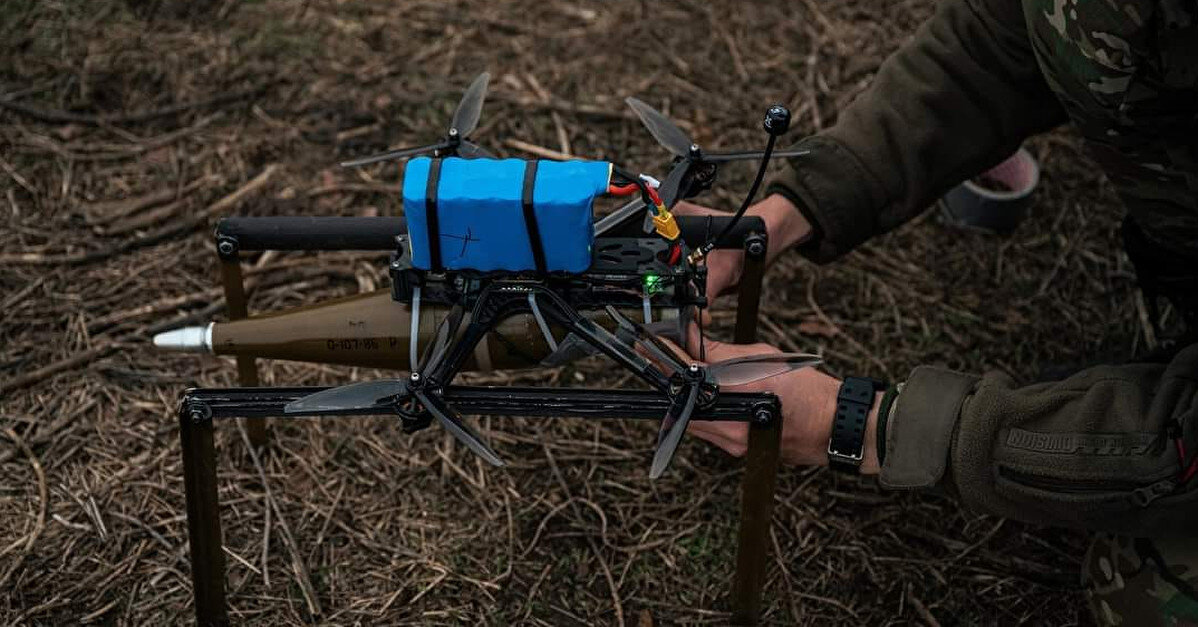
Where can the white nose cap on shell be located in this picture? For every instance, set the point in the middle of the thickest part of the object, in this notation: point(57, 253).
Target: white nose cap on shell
point(186, 339)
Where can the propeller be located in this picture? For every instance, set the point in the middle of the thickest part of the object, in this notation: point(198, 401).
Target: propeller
point(456, 142)
point(672, 428)
point(404, 396)
point(679, 144)
point(692, 163)
point(380, 395)
point(693, 380)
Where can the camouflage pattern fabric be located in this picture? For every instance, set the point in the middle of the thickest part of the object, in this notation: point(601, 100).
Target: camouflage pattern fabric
point(1149, 583)
point(1126, 72)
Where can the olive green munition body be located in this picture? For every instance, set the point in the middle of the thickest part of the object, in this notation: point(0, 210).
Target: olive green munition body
point(368, 330)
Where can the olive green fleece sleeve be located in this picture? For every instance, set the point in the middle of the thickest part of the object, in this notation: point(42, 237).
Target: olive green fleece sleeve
point(955, 101)
point(1100, 450)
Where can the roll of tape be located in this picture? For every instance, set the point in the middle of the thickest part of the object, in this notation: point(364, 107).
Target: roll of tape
point(980, 204)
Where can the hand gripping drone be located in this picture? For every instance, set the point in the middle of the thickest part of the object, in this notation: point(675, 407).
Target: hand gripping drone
point(490, 239)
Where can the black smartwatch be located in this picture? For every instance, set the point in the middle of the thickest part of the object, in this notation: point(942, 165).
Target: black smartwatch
point(846, 448)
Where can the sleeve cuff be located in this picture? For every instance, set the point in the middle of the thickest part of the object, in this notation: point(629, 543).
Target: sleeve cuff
point(920, 430)
point(836, 195)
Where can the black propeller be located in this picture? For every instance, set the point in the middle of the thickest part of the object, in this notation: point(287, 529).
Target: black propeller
point(679, 144)
point(674, 424)
point(692, 162)
point(691, 381)
point(404, 396)
point(456, 142)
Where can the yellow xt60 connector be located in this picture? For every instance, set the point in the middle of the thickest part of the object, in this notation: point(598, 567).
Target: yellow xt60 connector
point(665, 224)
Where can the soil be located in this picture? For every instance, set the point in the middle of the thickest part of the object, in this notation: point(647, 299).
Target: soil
point(128, 127)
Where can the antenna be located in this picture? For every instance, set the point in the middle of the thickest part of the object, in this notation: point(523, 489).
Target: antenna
point(776, 122)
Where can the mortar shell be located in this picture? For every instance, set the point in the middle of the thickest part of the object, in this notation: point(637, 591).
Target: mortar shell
point(369, 330)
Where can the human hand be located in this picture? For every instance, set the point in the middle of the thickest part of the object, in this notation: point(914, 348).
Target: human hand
point(808, 399)
point(784, 225)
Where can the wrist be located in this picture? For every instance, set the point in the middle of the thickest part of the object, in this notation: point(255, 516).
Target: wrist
point(870, 465)
point(784, 223)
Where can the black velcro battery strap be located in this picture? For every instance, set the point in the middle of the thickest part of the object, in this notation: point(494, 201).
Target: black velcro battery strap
point(530, 217)
point(430, 211)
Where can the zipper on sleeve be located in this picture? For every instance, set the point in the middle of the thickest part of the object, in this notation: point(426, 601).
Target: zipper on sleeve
point(1146, 495)
point(1138, 493)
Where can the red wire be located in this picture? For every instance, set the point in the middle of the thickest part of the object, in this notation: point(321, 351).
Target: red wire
point(675, 253)
point(623, 190)
point(653, 195)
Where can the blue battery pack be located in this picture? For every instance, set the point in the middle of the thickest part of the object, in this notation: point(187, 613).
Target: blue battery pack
point(477, 210)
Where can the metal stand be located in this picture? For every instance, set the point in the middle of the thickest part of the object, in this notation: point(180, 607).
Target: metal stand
point(236, 303)
point(203, 515)
point(200, 407)
point(761, 460)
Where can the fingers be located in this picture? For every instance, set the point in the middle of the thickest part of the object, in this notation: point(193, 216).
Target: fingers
point(685, 208)
point(715, 349)
point(657, 361)
point(732, 437)
point(680, 353)
point(718, 351)
point(723, 271)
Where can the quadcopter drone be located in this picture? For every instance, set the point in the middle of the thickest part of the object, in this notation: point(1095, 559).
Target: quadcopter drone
point(492, 238)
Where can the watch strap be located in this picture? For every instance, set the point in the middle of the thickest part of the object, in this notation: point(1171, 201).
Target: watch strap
point(846, 447)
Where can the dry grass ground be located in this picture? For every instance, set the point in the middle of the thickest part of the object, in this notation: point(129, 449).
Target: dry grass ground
point(122, 126)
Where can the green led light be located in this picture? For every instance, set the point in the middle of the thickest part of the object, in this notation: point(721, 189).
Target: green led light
point(652, 283)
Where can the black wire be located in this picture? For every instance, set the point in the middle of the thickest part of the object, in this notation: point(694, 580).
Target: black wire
point(639, 182)
point(622, 173)
point(765, 162)
point(632, 178)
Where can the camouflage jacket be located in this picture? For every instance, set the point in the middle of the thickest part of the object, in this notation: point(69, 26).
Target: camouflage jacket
point(1097, 450)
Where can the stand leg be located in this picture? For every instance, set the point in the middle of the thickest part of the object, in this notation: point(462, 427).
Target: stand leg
point(203, 516)
point(247, 368)
point(748, 298)
point(761, 460)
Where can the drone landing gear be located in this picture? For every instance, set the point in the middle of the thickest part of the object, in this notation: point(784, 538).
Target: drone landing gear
point(202, 408)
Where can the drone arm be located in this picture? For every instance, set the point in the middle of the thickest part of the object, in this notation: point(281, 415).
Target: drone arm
point(600, 338)
point(446, 368)
point(443, 342)
point(396, 154)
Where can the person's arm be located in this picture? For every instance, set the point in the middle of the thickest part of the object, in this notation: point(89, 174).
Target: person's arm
point(955, 101)
point(1099, 450)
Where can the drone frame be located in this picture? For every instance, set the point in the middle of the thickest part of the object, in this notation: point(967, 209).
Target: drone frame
point(200, 409)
